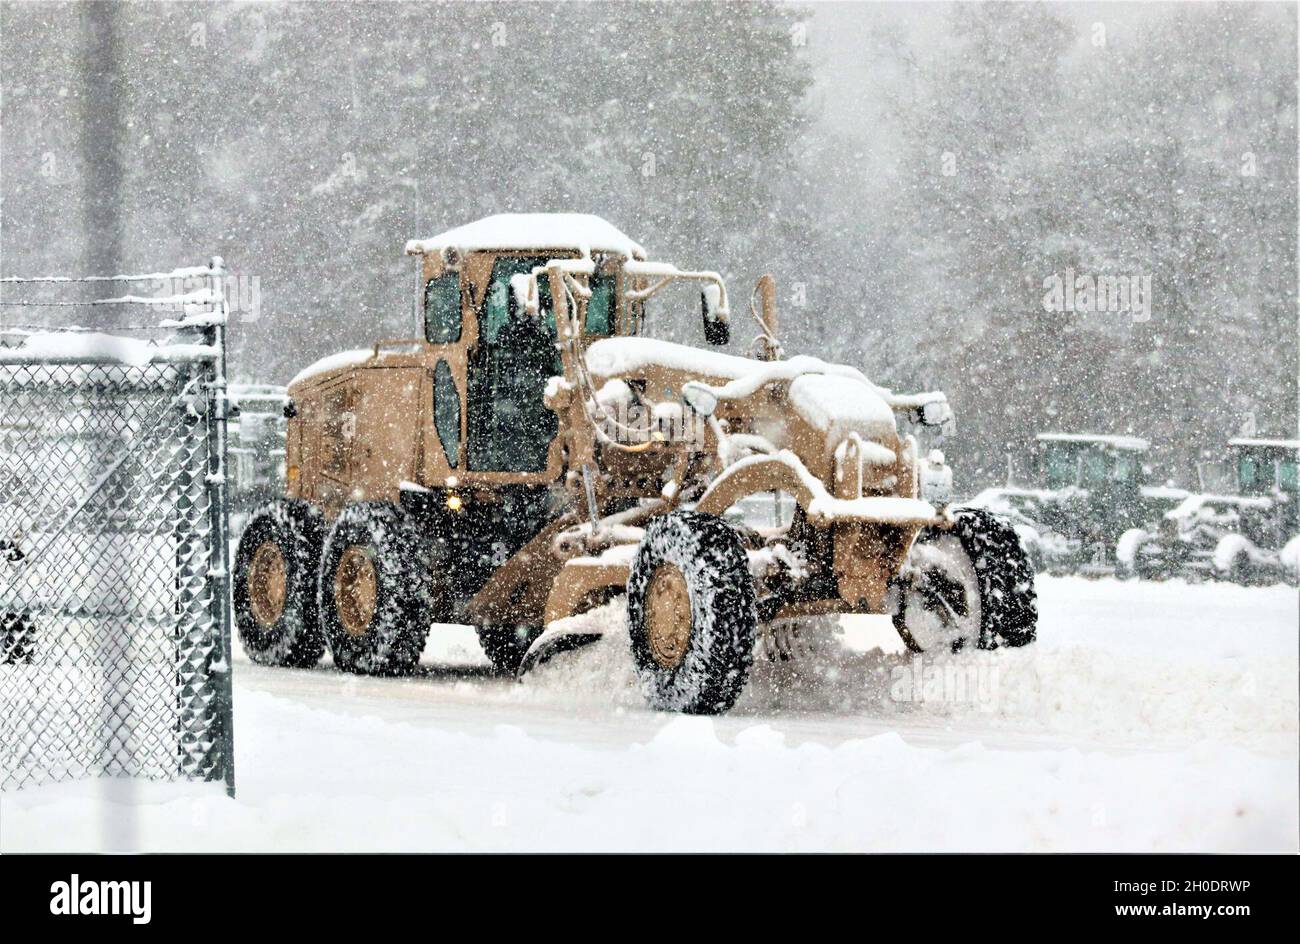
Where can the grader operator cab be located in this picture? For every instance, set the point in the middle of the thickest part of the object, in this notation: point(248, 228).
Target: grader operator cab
point(531, 455)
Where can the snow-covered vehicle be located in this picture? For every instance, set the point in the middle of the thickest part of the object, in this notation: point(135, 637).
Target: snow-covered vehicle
point(531, 455)
point(1243, 526)
point(1086, 491)
point(256, 431)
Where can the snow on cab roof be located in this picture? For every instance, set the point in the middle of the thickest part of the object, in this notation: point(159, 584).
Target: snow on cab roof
point(1267, 443)
point(581, 231)
point(333, 362)
point(1119, 442)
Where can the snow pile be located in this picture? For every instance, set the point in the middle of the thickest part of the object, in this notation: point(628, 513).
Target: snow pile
point(1082, 678)
point(1290, 556)
point(823, 505)
point(611, 357)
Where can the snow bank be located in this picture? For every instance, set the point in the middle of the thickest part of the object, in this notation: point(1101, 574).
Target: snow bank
point(1268, 443)
point(1151, 717)
point(1172, 684)
point(580, 231)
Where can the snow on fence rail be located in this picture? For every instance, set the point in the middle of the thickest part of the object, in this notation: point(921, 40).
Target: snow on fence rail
point(114, 578)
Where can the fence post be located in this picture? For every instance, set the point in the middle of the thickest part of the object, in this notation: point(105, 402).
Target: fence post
point(219, 577)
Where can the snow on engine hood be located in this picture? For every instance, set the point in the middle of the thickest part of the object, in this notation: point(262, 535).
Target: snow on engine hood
point(841, 405)
point(834, 398)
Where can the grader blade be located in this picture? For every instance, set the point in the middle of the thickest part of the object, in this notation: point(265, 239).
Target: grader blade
point(557, 639)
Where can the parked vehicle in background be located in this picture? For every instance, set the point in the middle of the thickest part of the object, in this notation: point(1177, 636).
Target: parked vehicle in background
point(256, 449)
point(1083, 491)
point(1243, 526)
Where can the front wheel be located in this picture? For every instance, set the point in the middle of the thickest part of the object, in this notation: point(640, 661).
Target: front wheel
point(1233, 560)
point(1128, 550)
point(691, 614)
point(376, 590)
point(1290, 557)
point(969, 586)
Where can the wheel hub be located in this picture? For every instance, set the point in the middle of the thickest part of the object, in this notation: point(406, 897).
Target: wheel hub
point(668, 616)
point(266, 584)
point(355, 590)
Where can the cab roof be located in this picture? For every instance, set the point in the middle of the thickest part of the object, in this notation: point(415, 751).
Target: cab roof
point(1128, 443)
point(520, 231)
point(1291, 445)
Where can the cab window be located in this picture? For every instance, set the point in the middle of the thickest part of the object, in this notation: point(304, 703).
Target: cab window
point(1288, 475)
point(1093, 471)
point(442, 309)
point(446, 412)
point(600, 307)
point(497, 306)
point(1060, 467)
point(1254, 475)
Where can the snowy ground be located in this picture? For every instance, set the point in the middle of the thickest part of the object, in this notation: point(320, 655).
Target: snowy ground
point(1150, 717)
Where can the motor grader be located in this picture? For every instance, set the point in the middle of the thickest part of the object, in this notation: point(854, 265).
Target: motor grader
point(533, 454)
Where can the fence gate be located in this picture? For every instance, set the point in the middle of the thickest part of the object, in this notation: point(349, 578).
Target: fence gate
point(114, 586)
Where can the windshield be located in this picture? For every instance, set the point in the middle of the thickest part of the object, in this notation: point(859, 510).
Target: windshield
point(1125, 467)
point(1254, 473)
point(497, 307)
point(1093, 469)
point(1060, 467)
point(509, 427)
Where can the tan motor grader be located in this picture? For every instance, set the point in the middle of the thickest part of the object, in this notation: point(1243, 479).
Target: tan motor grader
point(531, 455)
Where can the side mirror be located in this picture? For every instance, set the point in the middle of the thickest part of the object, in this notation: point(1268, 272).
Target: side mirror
point(716, 329)
point(936, 413)
point(700, 397)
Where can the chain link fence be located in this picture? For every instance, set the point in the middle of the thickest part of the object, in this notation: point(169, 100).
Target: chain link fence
point(114, 587)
